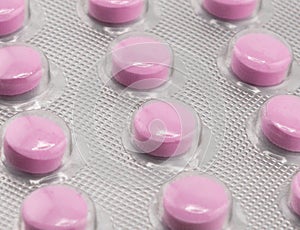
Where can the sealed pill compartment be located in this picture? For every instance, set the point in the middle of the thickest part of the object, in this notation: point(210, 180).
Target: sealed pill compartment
point(275, 130)
point(44, 209)
point(37, 146)
point(14, 14)
point(117, 17)
point(19, 19)
point(142, 64)
point(289, 201)
point(198, 202)
point(169, 134)
point(233, 14)
point(27, 78)
point(260, 61)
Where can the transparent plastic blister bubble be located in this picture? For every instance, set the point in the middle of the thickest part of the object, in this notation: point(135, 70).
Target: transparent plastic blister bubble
point(20, 20)
point(233, 14)
point(118, 17)
point(38, 147)
point(59, 207)
point(260, 61)
point(274, 129)
point(196, 201)
point(168, 134)
point(142, 64)
point(289, 201)
point(27, 78)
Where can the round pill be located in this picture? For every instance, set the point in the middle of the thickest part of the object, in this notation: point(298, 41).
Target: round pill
point(231, 9)
point(280, 121)
point(116, 11)
point(12, 16)
point(34, 144)
point(196, 202)
point(141, 62)
point(295, 194)
point(260, 59)
point(55, 207)
point(21, 69)
point(164, 129)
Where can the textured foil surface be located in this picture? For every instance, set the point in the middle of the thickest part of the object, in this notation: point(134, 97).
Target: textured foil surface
point(112, 178)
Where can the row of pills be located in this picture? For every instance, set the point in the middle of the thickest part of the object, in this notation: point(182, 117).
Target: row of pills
point(279, 125)
point(263, 63)
point(126, 11)
point(258, 59)
point(15, 13)
point(191, 201)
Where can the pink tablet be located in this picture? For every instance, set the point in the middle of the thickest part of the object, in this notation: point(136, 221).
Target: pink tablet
point(21, 69)
point(141, 61)
point(164, 129)
point(280, 121)
point(261, 59)
point(116, 11)
point(55, 207)
point(196, 202)
point(295, 194)
point(12, 16)
point(34, 144)
point(231, 9)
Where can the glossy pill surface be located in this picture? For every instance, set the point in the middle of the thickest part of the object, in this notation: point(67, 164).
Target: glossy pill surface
point(196, 202)
point(164, 129)
point(21, 69)
point(141, 62)
point(34, 144)
point(280, 121)
point(12, 16)
point(116, 11)
point(55, 207)
point(260, 59)
point(231, 9)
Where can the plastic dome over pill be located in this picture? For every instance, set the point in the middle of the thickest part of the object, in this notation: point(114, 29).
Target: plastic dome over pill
point(260, 58)
point(140, 61)
point(165, 128)
point(280, 121)
point(57, 207)
point(36, 142)
point(195, 202)
point(12, 16)
point(116, 11)
point(27, 78)
point(231, 9)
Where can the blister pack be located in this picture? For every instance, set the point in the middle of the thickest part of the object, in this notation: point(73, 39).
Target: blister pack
point(149, 114)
